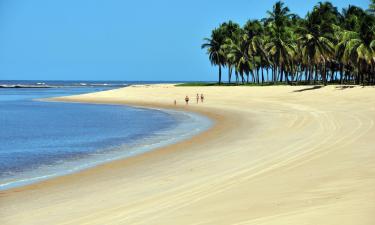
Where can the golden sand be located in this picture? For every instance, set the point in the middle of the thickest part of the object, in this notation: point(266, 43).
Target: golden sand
point(276, 155)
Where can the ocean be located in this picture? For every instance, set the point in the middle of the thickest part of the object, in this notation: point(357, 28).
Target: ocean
point(40, 140)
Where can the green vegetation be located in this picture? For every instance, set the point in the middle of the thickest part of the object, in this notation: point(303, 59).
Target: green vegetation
point(206, 84)
point(324, 47)
point(196, 84)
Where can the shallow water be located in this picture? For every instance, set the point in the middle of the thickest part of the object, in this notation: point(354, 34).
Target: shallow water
point(39, 140)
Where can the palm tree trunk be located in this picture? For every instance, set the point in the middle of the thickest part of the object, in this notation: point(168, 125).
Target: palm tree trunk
point(281, 73)
point(230, 74)
point(332, 72)
point(341, 73)
point(219, 74)
point(316, 73)
point(262, 75)
point(274, 74)
point(373, 73)
point(242, 78)
point(310, 74)
point(324, 73)
point(229, 77)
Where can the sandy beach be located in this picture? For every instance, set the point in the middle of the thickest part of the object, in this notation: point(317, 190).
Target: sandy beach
point(276, 155)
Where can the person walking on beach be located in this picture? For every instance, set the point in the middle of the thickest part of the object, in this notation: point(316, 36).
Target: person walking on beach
point(197, 98)
point(202, 98)
point(175, 102)
point(187, 100)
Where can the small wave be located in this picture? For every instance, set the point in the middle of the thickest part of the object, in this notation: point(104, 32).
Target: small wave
point(101, 84)
point(21, 182)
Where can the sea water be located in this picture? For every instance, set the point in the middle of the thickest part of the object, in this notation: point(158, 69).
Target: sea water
point(39, 140)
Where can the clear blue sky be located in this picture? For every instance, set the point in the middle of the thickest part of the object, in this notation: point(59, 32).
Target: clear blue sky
point(120, 39)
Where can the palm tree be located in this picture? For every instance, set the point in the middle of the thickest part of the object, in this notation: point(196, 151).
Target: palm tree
point(351, 17)
point(214, 49)
point(254, 31)
point(371, 8)
point(325, 46)
point(349, 27)
point(359, 50)
point(279, 47)
point(231, 31)
point(317, 48)
point(238, 54)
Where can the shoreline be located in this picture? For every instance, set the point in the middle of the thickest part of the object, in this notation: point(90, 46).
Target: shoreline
point(212, 117)
point(170, 110)
point(273, 156)
point(131, 151)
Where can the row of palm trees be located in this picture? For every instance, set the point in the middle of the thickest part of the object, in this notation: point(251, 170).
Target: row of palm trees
point(324, 47)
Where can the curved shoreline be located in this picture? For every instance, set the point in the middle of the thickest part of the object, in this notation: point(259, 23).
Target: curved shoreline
point(274, 156)
point(131, 151)
point(44, 179)
point(55, 180)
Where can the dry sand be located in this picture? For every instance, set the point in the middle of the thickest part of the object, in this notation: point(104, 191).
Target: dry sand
point(277, 155)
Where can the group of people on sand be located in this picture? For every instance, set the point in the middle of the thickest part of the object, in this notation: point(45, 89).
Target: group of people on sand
point(187, 99)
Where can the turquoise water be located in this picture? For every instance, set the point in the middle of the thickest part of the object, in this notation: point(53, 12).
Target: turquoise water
point(39, 140)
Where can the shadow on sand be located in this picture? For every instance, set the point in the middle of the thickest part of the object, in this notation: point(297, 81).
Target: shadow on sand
point(343, 87)
point(309, 89)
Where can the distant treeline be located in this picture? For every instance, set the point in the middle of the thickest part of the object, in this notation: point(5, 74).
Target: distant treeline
point(327, 46)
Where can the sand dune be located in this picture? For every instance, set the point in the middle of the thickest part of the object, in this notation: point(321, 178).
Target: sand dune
point(276, 155)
